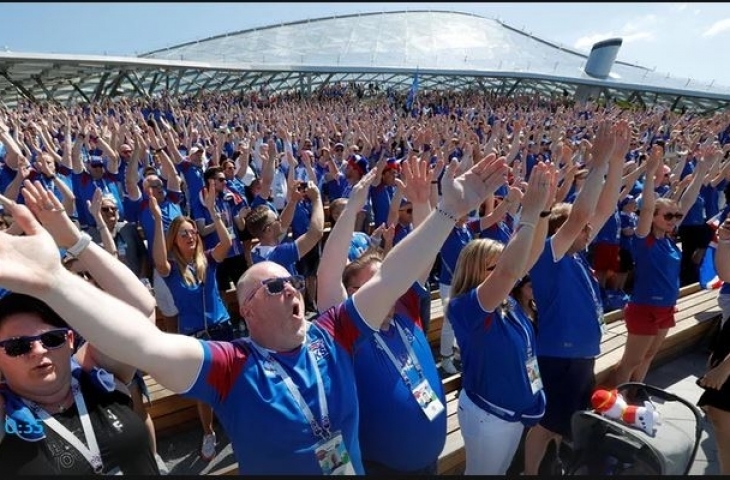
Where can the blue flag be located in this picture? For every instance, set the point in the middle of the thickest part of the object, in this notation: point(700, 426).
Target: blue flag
point(412, 92)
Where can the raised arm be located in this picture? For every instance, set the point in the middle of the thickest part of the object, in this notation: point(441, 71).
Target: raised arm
point(722, 255)
point(414, 253)
point(648, 197)
point(220, 251)
point(585, 203)
point(330, 290)
point(314, 233)
point(612, 188)
point(513, 263)
point(708, 155)
point(31, 266)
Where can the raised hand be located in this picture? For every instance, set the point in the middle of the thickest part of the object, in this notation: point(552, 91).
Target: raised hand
point(415, 181)
point(538, 190)
point(463, 193)
point(154, 206)
point(94, 205)
point(359, 193)
point(29, 264)
point(50, 212)
point(209, 195)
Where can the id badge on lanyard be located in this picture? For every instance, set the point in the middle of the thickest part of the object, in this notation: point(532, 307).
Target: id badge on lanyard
point(333, 457)
point(428, 400)
point(533, 374)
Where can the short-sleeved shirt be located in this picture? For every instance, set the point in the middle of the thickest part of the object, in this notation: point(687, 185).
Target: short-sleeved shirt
point(285, 254)
point(269, 432)
point(417, 441)
point(495, 347)
point(200, 305)
point(569, 301)
point(656, 272)
point(450, 250)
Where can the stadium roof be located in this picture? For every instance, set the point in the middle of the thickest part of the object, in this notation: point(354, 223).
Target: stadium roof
point(450, 50)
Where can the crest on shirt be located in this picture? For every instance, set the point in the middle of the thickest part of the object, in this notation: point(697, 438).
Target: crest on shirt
point(317, 347)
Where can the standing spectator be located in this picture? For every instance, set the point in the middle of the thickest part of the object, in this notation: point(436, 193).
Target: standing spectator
point(189, 271)
point(650, 312)
point(715, 400)
point(501, 385)
point(397, 358)
point(568, 297)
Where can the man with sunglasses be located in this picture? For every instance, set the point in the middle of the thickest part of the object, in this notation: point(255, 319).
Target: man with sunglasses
point(286, 394)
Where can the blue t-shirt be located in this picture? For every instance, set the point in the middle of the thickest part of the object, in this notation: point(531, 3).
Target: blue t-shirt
point(84, 188)
point(610, 233)
point(450, 250)
point(569, 301)
point(193, 175)
point(656, 272)
point(417, 441)
point(500, 232)
point(380, 199)
point(268, 431)
point(495, 347)
point(225, 203)
point(285, 254)
point(198, 304)
point(628, 220)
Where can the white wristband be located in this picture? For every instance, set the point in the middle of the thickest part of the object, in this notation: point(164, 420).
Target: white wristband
point(78, 248)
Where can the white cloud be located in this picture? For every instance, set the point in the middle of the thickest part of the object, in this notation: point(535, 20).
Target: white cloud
point(640, 24)
point(637, 30)
point(638, 36)
point(717, 28)
point(678, 7)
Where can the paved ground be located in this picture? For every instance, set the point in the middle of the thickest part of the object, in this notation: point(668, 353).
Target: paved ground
point(677, 376)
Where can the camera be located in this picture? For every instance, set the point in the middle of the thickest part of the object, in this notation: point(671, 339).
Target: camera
point(302, 186)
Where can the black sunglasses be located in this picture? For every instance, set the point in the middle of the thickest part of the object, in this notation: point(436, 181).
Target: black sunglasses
point(669, 216)
point(17, 346)
point(108, 209)
point(275, 286)
point(407, 210)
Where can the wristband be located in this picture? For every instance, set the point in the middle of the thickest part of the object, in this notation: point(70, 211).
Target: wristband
point(525, 224)
point(446, 214)
point(77, 248)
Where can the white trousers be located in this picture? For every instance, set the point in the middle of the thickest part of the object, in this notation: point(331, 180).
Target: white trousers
point(448, 339)
point(489, 441)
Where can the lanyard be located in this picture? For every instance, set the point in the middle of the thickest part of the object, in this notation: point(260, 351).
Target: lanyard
point(320, 429)
point(92, 453)
point(411, 356)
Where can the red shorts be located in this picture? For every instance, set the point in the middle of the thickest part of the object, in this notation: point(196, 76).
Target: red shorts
point(648, 319)
point(606, 257)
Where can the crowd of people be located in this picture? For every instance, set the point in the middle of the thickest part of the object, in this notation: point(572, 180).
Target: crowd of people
point(333, 217)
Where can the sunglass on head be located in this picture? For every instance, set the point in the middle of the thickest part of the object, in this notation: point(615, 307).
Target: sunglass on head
point(276, 285)
point(670, 216)
point(187, 233)
point(17, 346)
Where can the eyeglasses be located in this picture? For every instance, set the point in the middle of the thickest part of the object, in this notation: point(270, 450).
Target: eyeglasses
point(187, 233)
point(108, 209)
point(156, 186)
point(670, 216)
point(17, 346)
point(275, 285)
point(407, 210)
point(97, 166)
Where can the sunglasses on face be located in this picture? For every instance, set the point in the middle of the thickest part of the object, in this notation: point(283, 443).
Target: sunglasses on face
point(407, 210)
point(17, 346)
point(276, 285)
point(187, 233)
point(108, 209)
point(671, 216)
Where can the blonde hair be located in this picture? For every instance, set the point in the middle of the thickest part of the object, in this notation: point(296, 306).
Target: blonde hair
point(199, 261)
point(471, 267)
point(369, 256)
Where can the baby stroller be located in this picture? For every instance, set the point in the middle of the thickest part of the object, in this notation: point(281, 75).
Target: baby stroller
point(602, 446)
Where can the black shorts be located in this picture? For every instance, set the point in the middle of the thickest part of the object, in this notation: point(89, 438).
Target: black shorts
point(309, 263)
point(719, 399)
point(568, 384)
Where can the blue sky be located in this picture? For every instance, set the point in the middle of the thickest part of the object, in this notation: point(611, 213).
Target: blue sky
point(682, 39)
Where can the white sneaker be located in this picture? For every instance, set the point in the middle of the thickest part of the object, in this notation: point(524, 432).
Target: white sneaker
point(447, 365)
point(207, 451)
point(161, 465)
